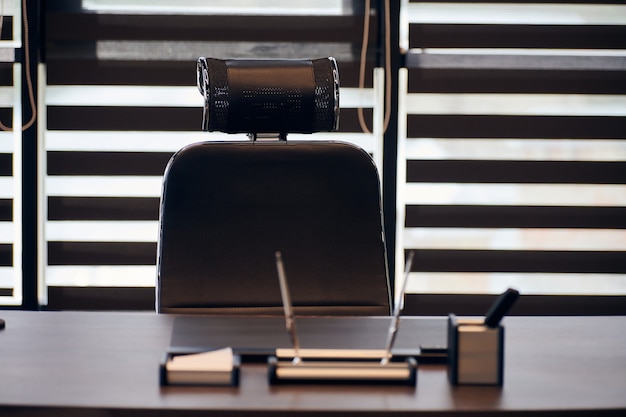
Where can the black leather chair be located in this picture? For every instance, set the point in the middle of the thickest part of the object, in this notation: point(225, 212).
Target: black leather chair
point(227, 207)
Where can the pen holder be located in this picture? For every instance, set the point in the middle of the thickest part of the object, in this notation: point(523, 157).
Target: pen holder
point(342, 371)
point(475, 352)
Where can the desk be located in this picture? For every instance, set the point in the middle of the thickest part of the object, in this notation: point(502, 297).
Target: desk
point(106, 364)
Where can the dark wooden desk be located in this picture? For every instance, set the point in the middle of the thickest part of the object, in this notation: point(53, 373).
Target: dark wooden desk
point(106, 364)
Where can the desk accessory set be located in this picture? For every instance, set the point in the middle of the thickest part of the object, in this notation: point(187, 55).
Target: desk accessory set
point(336, 365)
point(474, 352)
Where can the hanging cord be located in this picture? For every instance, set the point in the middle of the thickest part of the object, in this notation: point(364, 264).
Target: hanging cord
point(29, 83)
point(366, 28)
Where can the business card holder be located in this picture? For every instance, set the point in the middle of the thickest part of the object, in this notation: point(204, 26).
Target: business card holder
point(219, 368)
point(350, 366)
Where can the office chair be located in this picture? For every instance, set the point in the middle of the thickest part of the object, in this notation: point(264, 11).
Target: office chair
point(227, 207)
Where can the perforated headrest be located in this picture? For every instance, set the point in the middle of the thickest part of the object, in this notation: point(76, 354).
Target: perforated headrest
point(269, 96)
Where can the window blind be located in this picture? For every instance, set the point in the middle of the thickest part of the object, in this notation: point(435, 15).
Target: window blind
point(512, 147)
point(120, 98)
point(10, 156)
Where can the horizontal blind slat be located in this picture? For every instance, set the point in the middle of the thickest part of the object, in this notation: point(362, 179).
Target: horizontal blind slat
point(561, 287)
point(115, 26)
point(532, 127)
point(514, 149)
point(517, 104)
point(185, 119)
point(103, 186)
point(515, 216)
point(107, 163)
point(102, 231)
point(101, 253)
point(521, 172)
point(114, 277)
point(467, 35)
point(91, 70)
point(547, 238)
point(6, 253)
point(103, 208)
point(441, 260)
point(500, 12)
point(503, 194)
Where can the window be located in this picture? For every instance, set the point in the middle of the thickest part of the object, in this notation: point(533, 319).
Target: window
point(10, 156)
point(512, 149)
point(121, 98)
point(505, 164)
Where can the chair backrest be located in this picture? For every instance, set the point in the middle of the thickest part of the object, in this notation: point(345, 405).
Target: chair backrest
point(227, 207)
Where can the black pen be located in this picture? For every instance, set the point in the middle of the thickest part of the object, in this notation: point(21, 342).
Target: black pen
point(500, 307)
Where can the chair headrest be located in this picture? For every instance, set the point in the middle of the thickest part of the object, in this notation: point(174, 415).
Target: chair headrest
point(269, 96)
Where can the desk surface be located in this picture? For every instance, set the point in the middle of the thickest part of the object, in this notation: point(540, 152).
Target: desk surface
point(95, 364)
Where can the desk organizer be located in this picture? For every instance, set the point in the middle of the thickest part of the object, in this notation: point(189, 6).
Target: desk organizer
point(475, 352)
point(322, 368)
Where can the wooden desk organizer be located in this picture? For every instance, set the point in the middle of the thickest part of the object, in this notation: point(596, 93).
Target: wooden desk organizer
point(475, 352)
point(334, 366)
